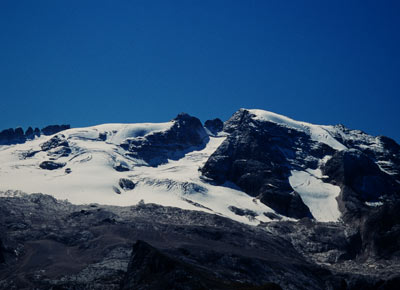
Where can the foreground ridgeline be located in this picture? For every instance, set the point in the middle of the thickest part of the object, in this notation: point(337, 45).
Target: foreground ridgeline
point(260, 201)
point(63, 246)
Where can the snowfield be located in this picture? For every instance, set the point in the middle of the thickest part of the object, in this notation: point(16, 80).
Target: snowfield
point(318, 133)
point(90, 176)
point(320, 197)
point(93, 178)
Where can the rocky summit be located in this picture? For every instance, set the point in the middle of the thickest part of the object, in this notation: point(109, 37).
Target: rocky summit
point(260, 201)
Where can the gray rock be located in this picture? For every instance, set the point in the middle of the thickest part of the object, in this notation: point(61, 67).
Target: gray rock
point(65, 246)
point(187, 134)
point(258, 158)
point(121, 167)
point(54, 129)
point(54, 142)
point(2, 260)
point(51, 165)
point(126, 184)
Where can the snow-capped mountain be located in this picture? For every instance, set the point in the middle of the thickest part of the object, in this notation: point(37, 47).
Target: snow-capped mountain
point(259, 166)
point(260, 201)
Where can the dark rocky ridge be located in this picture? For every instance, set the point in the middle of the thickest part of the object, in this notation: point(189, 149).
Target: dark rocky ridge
point(63, 246)
point(258, 156)
point(17, 135)
point(387, 156)
point(214, 126)
point(360, 180)
point(185, 135)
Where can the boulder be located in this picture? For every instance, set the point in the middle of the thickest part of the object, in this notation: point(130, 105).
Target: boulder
point(150, 268)
point(121, 167)
point(51, 165)
point(126, 184)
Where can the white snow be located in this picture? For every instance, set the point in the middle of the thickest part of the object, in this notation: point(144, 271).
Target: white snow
point(318, 133)
point(116, 133)
point(93, 177)
point(374, 204)
point(320, 197)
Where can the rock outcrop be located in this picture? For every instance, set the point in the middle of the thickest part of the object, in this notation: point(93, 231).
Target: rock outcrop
point(214, 126)
point(186, 134)
point(17, 135)
point(259, 156)
point(126, 184)
point(51, 165)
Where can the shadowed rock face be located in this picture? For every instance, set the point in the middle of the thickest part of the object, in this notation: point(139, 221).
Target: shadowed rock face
point(53, 129)
point(380, 231)
point(214, 126)
point(360, 180)
point(56, 141)
point(51, 165)
point(258, 158)
point(149, 268)
point(15, 136)
point(356, 170)
point(186, 134)
point(1, 252)
point(126, 184)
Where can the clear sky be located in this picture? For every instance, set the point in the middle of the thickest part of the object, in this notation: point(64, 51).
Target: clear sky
point(90, 62)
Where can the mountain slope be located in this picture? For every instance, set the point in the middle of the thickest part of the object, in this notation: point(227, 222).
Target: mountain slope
point(258, 202)
point(297, 168)
point(262, 166)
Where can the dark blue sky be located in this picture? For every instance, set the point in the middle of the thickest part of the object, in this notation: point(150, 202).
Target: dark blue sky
point(91, 62)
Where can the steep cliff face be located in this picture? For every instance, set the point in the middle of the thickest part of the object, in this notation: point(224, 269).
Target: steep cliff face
point(186, 134)
point(289, 165)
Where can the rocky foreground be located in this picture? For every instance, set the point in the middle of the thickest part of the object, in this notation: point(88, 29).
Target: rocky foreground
point(259, 202)
point(51, 244)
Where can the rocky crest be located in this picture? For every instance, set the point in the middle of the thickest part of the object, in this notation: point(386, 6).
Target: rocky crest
point(259, 156)
point(187, 133)
point(17, 135)
point(214, 126)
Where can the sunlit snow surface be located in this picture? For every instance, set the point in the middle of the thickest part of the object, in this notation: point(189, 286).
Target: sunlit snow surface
point(320, 197)
point(93, 178)
point(318, 133)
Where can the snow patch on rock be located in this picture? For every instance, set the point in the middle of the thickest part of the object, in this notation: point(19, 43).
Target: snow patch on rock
point(318, 133)
point(320, 197)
